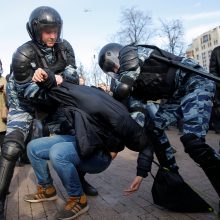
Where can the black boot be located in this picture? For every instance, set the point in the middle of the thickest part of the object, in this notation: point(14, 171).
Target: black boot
point(214, 177)
point(205, 156)
point(2, 205)
point(87, 188)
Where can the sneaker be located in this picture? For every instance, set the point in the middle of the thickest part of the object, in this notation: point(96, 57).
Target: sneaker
point(42, 194)
point(74, 207)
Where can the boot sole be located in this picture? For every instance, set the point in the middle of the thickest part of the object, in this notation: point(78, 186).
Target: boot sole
point(84, 210)
point(41, 200)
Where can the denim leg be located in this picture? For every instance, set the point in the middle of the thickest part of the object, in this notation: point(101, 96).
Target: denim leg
point(96, 163)
point(66, 162)
point(38, 154)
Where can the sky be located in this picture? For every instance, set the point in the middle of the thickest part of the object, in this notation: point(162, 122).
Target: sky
point(89, 24)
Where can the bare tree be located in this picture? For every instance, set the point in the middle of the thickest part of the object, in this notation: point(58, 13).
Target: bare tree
point(96, 76)
point(81, 70)
point(135, 27)
point(172, 34)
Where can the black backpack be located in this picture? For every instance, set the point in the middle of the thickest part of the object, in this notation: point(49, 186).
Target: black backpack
point(170, 191)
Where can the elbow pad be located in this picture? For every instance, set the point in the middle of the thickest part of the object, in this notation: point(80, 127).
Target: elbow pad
point(121, 91)
point(22, 63)
point(128, 58)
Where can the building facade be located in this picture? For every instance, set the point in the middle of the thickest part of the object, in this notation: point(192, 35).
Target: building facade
point(202, 46)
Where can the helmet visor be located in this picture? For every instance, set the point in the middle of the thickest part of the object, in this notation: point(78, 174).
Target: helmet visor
point(52, 29)
point(108, 66)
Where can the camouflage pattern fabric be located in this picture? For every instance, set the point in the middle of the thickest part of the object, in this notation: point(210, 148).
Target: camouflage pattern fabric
point(151, 110)
point(192, 101)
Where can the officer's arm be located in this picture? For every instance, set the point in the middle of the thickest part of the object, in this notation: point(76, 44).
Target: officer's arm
point(144, 161)
point(129, 70)
point(23, 68)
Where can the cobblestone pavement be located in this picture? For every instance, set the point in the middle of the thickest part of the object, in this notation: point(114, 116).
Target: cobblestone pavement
point(111, 204)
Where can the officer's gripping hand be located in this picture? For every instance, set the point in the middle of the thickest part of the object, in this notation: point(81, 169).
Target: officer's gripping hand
point(39, 75)
point(121, 91)
point(45, 79)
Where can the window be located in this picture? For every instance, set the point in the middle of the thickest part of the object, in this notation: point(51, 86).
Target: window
point(203, 56)
point(205, 38)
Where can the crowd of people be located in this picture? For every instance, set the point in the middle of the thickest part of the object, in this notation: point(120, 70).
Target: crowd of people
point(51, 115)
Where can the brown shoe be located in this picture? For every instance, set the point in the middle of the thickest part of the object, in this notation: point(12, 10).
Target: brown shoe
point(42, 194)
point(74, 207)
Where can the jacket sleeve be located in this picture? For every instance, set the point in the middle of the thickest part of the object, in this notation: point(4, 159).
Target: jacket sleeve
point(4, 82)
point(144, 161)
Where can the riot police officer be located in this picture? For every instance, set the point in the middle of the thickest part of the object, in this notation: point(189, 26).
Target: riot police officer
point(44, 52)
point(148, 73)
point(141, 112)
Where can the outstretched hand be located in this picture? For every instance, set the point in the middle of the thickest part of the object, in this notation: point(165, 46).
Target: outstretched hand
point(134, 186)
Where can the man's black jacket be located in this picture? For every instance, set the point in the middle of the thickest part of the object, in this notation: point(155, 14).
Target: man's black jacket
point(99, 119)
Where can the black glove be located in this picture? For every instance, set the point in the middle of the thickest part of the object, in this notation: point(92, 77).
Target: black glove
point(121, 91)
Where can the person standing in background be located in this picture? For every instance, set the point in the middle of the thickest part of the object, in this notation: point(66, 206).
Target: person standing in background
point(3, 105)
point(214, 68)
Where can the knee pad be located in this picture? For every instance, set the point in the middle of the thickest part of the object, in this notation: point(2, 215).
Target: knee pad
point(13, 145)
point(199, 151)
point(11, 151)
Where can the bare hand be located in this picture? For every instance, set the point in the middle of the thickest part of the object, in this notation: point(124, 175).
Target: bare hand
point(39, 76)
point(134, 186)
point(59, 79)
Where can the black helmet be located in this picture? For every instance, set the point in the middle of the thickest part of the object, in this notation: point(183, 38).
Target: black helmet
point(40, 18)
point(108, 56)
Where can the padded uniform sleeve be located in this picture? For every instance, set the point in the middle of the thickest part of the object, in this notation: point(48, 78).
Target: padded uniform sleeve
point(22, 63)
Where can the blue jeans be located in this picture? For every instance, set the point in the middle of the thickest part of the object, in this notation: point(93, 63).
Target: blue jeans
point(61, 150)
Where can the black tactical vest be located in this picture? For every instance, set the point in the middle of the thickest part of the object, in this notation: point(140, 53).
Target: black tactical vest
point(157, 78)
point(29, 57)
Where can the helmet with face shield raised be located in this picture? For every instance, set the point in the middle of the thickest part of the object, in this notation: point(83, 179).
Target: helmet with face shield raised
point(41, 18)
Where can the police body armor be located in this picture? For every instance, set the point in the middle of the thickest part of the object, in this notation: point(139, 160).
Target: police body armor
point(156, 79)
point(29, 57)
